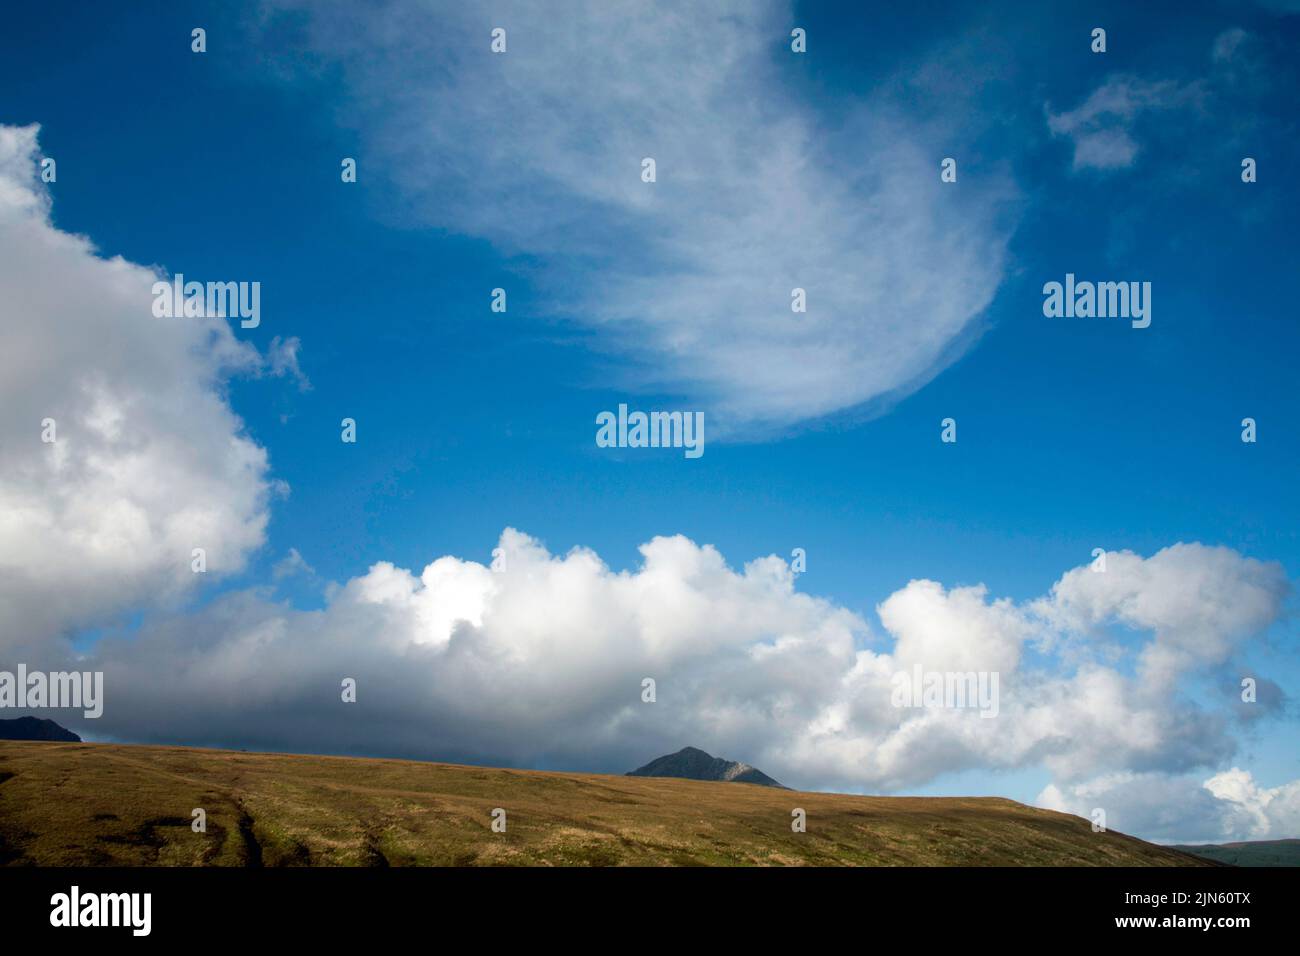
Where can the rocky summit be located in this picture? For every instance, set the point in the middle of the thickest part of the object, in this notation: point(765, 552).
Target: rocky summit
point(692, 763)
point(33, 728)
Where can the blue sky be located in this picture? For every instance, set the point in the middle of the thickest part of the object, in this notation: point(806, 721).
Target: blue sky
point(1073, 434)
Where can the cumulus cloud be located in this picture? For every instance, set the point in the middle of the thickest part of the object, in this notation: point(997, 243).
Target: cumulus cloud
point(1258, 811)
point(1228, 806)
point(147, 460)
point(690, 278)
point(1200, 603)
point(541, 663)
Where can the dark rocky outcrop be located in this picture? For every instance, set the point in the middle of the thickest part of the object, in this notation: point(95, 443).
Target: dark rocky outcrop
point(33, 728)
point(694, 764)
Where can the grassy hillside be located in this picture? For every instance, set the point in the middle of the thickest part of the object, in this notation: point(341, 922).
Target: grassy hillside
point(68, 803)
point(1250, 853)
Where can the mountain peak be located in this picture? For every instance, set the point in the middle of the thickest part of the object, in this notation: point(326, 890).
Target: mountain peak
point(34, 728)
point(692, 763)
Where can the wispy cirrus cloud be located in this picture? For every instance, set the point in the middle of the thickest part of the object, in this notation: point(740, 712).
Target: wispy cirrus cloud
point(1109, 127)
point(759, 191)
point(1102, 127)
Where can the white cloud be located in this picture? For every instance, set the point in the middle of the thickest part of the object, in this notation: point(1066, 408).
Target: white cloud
point(290, 565)
point(1199, 602)
point(282, 360)
point(1226, 102)
point(149, 462)
point(1227, 807)
point(542, 663)
point(539, 150)
point(1259, 812)
point(1101, 127)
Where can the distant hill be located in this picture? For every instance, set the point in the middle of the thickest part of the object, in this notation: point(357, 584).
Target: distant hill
point(130, 806)
point(691, 763)
point(1248, 853)
point(33, 728)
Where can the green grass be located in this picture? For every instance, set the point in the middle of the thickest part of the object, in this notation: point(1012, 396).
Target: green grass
point(100, 804)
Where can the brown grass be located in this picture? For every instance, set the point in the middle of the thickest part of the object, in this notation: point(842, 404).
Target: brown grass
point(101, 804)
